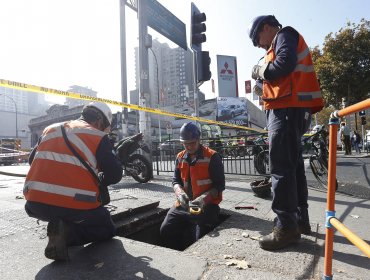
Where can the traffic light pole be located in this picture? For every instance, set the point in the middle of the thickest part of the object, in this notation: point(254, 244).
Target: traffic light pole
point(123, 66)
point(144, 93)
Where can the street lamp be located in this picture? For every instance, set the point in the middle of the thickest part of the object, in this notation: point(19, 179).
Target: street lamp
point(16, 115)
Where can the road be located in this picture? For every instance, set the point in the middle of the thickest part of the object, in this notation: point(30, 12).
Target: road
point(352, 173)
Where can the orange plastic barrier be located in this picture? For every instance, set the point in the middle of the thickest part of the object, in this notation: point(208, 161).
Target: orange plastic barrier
point(331, 221)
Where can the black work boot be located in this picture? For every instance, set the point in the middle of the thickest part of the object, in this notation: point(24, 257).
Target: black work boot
point(279, 238)
point(304, 228)
point(57, 246)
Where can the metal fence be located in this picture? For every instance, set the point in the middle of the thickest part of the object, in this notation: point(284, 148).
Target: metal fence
point(241, 155)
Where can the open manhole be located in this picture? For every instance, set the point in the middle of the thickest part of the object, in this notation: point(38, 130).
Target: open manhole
point(143, 225)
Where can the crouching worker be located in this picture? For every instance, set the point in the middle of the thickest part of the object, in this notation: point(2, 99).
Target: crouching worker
point(71, 168)
point(198, 182)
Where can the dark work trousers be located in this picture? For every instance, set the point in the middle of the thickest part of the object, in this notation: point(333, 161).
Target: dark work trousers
point(180, 228)
point(84, 226)
point(289, 185)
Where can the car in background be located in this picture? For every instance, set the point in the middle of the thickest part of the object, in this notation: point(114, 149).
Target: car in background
point(231, 111)
point(171, 147)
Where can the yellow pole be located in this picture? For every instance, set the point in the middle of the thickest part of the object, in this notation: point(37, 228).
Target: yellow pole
point(357, 241)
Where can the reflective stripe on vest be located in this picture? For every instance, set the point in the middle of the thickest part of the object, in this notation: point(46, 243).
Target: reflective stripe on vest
point(200, 178)
point(56, 176)
point(77, 194)
point(299, 88)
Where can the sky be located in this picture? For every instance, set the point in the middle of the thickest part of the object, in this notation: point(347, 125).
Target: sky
point(57, 44)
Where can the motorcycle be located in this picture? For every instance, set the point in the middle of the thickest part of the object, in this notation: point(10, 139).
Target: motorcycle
point(135, 165)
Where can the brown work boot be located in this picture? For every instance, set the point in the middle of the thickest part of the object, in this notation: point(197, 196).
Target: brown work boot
point(57, 246)
point(279, 238)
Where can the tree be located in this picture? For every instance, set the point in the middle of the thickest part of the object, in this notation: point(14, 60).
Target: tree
point(343, 65)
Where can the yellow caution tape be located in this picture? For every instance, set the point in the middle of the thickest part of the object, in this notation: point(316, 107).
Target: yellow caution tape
point(69, 94)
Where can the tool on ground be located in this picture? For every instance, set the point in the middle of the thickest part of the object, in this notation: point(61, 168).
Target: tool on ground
point(245, 207)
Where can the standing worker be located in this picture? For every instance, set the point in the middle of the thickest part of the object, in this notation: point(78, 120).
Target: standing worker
point(291, 93)
point(345, 136)
point(198, 180)
point(68, 189)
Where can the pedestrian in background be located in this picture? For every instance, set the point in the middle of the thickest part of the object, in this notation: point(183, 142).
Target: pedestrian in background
point(61, 190)
point(290, 93)
point(345, 136)
point(357, 141)
point(198, 180)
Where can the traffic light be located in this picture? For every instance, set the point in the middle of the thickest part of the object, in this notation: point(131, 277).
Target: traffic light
point(203, 66)
point(363, 120)
point(361, 113)
point(198, 27)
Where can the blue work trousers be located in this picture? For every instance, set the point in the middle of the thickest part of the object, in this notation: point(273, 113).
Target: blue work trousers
point(286, 127)
point(83, 226)
point(180, 228)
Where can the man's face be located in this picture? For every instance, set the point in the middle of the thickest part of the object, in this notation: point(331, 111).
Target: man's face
point(264, 38)
point(192, 146)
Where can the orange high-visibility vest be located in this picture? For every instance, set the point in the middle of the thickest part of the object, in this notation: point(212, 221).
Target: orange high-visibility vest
point(56, 177)
point(299, 88)
point(199, 174)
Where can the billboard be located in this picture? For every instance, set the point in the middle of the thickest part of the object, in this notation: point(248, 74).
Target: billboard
point(208, 109)
point(227, 76)
point(232, 110)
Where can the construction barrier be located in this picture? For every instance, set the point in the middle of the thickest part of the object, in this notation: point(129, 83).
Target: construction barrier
point(331, 221)
point(69, 94)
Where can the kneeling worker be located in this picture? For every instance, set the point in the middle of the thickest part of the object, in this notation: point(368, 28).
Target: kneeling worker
point(71, 168)
point(198, 182)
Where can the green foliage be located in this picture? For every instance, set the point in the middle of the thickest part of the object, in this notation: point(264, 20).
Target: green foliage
point(343, 65)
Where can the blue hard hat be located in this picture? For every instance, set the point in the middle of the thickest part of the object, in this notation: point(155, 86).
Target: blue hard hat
point(256, 25)
point(189, 132)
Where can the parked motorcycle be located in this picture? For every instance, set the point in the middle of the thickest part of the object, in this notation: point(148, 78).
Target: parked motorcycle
point(134, 164)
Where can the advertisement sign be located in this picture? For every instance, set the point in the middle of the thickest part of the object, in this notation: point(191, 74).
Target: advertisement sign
point(208, 109)
point(232, 110)
point(227, 76)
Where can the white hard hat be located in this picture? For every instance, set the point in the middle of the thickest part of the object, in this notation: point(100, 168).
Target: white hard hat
point(102, 107)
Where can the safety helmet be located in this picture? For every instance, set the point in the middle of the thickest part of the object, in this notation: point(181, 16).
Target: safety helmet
point(256, 25)
point(189, 132)
point(103, 108)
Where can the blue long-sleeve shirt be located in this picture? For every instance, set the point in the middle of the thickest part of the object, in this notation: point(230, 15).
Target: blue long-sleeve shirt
point(285, 47)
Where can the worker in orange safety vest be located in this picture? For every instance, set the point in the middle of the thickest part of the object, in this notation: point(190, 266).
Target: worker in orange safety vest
point(198, 183)
point(290, 94)
point(70, 169)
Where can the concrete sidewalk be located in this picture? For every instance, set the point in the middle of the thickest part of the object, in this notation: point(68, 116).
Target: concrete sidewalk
point(231, 251)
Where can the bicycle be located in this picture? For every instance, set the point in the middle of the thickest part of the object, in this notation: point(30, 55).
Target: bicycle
point(319, 158)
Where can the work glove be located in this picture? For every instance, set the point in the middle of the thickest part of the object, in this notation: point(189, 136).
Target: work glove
point(204, 198)
point(258, 71)
point(257, 89)
point(181, 196)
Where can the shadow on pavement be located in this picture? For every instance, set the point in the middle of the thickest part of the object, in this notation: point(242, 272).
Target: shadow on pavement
point(105, 260)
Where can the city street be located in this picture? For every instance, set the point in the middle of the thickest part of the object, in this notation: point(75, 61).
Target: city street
point(124, 258)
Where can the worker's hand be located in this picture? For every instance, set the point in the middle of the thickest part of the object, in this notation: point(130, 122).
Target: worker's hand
point(258, 71)
point(177, 189)
point(257, 89)
point(181, 196)
point(199, 201)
